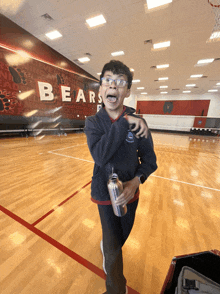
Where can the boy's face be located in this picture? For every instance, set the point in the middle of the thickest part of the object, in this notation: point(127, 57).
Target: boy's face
point(112, 95)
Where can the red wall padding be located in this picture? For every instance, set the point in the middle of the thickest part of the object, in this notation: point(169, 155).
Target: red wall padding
point(179, 107)
point(199, 122)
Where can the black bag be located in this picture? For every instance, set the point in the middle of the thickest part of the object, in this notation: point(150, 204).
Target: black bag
point(205, 263)
point(192, 282)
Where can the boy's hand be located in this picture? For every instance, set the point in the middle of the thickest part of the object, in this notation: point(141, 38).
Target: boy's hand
point(139, 123)
point(128, 193)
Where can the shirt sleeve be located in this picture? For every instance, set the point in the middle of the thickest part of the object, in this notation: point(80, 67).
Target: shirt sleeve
point(104, 143)
point(147, 157)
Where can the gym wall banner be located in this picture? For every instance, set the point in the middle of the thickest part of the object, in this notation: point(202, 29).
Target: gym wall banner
point(33, 87)
point(176, 107)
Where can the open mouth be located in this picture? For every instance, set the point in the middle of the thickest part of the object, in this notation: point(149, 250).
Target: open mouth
point(111, 98)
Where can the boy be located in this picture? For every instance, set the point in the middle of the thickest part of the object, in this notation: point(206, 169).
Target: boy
point(118, 140)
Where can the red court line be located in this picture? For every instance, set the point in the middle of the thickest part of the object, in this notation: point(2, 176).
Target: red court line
point(60, 247)
point(52, 210)
point(54, 243)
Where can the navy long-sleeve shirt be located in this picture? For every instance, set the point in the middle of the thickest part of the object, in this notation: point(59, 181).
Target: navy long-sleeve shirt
point(114, 145)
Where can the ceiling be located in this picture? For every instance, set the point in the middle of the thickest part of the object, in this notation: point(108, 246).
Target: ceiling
point(186, 24)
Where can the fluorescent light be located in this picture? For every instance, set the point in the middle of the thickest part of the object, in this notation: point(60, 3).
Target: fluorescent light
point(140, 88)
point(26, 94)
point(144, 93)
point(95, 21)
point(63, 64)
point(84, 59)
point(161, 45)
point(135, 81)
point(23, 54)
point(186, 91)
point(28, 44)
point(99, 73)
point(17, 238)
point(177, 202)
point(191, 85)
point(155, 3)
point(215, 35)
point(163, 79)
point(117, 53)
point(30, 113)
point(131, 69)
point(163, 92)
point(218, 84)
point(17, 59)
point(196, 76)
point(162, 66)
point(213, 90)
point(53, 35)
point(163, 87)
point(203, 61)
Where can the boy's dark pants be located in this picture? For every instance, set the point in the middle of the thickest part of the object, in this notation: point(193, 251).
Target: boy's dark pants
point(115, 232)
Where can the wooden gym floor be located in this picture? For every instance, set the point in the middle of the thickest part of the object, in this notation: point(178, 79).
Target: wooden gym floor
point(50, 230)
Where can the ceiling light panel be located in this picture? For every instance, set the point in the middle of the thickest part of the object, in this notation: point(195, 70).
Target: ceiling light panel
point(135, 81)
point(162, 66)
point(204, 61)
point(118, 53)
point(213, 90)
point(215, 35)
point(156, 3)
point(96, 21)
point(161, 45)
point(186, 91)
point(84, 59)
point(163, 79)
point(196, 76)
point(191, 85)
point(53, 35)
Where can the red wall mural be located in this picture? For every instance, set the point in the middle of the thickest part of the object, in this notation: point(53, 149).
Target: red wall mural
point(177, 107)
point(36, 81)
point(29, 85)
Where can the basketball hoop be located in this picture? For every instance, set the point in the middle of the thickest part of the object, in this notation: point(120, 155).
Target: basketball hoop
point(215, 36)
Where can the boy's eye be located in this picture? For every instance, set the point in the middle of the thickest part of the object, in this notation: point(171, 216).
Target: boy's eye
point(118, 82)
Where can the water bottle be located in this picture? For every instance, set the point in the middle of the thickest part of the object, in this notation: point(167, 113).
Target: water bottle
point(115, 188)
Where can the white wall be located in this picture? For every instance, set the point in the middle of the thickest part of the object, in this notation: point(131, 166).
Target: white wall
point(214, 107)
point(169, 122)
point(131, 101)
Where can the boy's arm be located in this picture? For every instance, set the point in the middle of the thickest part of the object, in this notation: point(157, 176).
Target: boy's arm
point(147, 157)
point(146, 167)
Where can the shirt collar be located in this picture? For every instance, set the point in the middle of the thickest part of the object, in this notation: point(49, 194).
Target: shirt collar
point(113, 120)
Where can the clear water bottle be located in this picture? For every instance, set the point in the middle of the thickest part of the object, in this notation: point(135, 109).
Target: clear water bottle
point(115, 188)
